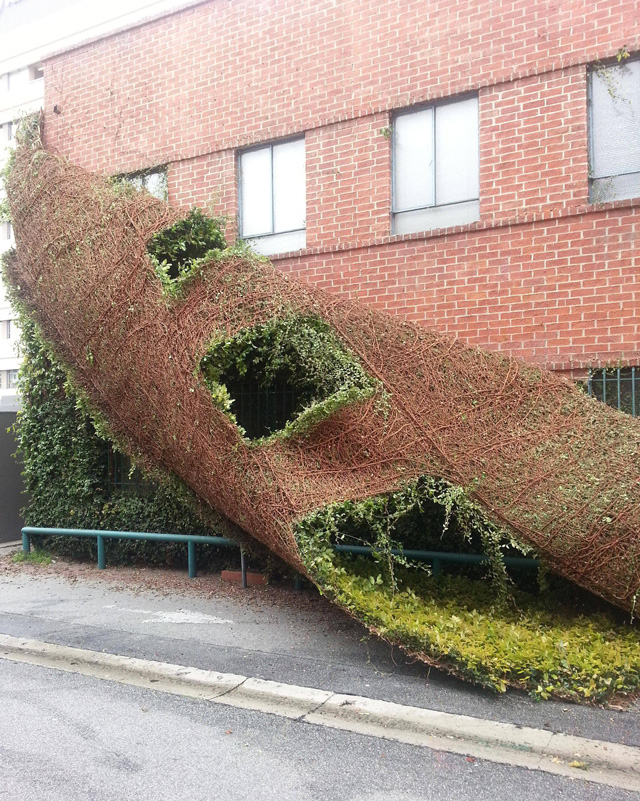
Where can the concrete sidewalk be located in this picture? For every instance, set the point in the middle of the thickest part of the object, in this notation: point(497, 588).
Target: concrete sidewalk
point(269, 633)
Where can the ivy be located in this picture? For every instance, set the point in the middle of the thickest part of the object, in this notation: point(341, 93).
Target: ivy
point(490, 632)
point(537, 644)
point(427, 514)
point(179, 252)
point(64, 460)
point(301, 353)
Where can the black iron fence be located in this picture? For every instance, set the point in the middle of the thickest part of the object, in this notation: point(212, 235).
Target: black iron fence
point(616, 386)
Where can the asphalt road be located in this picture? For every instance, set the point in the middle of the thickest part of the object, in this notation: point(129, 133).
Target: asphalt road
point(65, 737)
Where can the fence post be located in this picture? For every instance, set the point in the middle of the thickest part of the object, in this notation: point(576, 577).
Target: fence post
point(243, 568)
point(102, 560)
point(26, 542)
point(191, 556)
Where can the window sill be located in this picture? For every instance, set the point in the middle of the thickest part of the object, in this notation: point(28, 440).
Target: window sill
point(488, 223)
point(275, 245)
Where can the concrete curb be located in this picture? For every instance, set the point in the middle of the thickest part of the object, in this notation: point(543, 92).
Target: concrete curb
point(581, 758)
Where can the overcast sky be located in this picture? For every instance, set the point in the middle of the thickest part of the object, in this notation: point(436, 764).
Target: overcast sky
point(30, 29)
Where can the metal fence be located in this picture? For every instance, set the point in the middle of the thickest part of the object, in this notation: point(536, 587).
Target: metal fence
point(121, 476)
point(616, 386)
point(263, 410)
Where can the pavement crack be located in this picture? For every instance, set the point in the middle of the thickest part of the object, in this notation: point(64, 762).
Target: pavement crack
point(316, 708)
point(230, 690)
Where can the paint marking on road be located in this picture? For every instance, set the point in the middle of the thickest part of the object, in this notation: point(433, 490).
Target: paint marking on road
point(176, 616)
point(561, 754)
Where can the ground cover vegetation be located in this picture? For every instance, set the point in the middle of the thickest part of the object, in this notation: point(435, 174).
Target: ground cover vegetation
point(388, 435)
point(497, 628)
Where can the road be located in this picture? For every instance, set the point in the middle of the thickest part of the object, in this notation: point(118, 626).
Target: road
point(68, 736)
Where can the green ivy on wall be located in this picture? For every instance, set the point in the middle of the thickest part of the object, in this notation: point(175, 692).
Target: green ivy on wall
point(66, 478)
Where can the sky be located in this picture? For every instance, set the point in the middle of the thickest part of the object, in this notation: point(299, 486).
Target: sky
point(30, 29)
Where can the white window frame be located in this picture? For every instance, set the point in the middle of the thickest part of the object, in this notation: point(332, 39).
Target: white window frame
point(416, 219)
point(13, 385)
point(274, 240)
point(8, 132)
point(606, 185)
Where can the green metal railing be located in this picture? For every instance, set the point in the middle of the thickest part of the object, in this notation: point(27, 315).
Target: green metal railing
point(438, 558)
point(100, 537)
point(435, 558)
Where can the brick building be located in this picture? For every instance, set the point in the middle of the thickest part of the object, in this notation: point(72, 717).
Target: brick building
point(472, 165)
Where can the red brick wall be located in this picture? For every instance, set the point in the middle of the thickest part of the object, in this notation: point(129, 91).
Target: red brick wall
point(543, 275)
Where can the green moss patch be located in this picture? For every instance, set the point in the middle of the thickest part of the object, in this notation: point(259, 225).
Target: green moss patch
point(283, 377)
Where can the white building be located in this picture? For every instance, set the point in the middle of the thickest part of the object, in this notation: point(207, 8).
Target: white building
point(29, 30)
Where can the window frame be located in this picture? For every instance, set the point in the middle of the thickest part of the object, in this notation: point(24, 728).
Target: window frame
point(264, 146)
point(435, 105)
point(36, 72)
point(139, 180)
point(591, 179)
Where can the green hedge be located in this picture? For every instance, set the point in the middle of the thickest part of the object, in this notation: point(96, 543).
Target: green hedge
point(66, 477)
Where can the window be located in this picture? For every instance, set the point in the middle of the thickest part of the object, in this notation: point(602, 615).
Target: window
point(5, 328)
point(273, 197)
point(616, 386)
point(614, 126)
point(12, 379)
point(7, 230)
point(36, 72)
point(436, 167)
point(153, 181)
point(7, 132)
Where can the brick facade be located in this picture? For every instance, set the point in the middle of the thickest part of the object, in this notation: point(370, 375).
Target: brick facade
point(543, 275)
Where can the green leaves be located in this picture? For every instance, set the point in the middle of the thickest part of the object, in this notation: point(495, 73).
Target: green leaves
point(539, 646)
point(488, 632)
point(179, 252)
point(300, 353)
point(64, 454)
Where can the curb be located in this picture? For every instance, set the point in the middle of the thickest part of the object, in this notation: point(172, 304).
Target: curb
point(562, 754)
point(7, 548)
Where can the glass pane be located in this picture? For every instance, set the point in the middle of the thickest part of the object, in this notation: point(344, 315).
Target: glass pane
point(413, 160)
point(412, 222)
point(156, 184)
point(255, 192)
point(615, 120)
point(457, 162)
point(289, 190)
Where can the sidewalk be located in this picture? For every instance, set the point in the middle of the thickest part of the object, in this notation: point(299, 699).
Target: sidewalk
point(270, 633)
